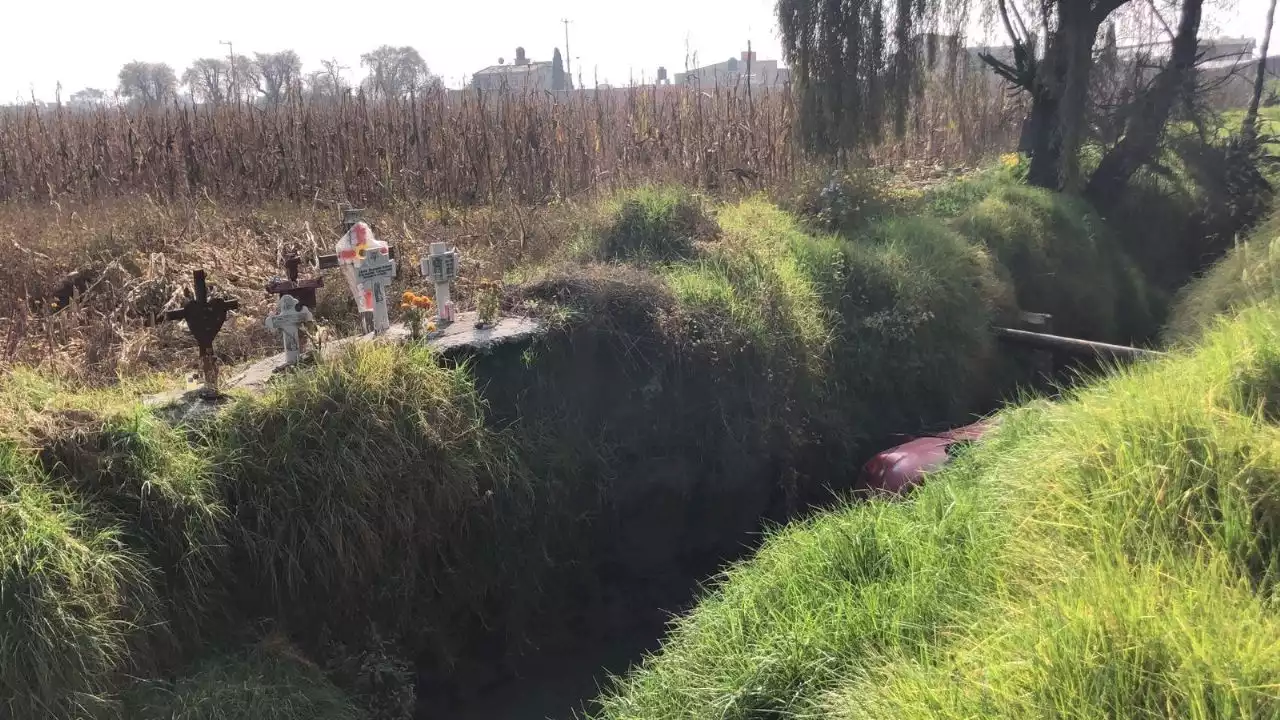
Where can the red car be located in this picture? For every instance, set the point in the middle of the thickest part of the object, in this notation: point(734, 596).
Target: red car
point(899, 469)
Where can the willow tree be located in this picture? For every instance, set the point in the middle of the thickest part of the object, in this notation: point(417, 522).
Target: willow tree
point(858, 65)
point(855, 66)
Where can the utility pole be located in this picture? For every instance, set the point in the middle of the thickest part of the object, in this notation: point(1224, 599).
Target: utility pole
point(567, 69)
point(231, 70)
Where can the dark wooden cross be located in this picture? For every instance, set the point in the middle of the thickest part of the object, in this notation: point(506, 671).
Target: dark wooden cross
point(204, 320)
point(330, 261)
point(304, 291)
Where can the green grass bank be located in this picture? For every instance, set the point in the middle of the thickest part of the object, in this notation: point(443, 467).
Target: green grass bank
point(1249, 274)
point(400, 529)
point(1113, 552)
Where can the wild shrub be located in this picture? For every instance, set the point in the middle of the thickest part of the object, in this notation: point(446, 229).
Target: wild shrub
point(843, 201)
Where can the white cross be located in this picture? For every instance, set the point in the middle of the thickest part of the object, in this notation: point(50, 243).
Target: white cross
point(441, 267)
point(374, 275)
point(288, 316)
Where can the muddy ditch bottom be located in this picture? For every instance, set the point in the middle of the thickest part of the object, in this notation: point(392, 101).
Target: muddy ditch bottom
point(562, 680)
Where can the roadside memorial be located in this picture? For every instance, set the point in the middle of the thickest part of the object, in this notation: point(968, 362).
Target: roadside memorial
point(373, 277)
point(351, 216)
point(440, 266)
point(204, 319)
point(288, 318)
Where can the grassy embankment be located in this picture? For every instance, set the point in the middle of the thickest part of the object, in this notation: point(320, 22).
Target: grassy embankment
point(710, 367)
point(1112, 553)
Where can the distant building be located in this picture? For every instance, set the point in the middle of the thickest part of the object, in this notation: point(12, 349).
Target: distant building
point(1213, 52)
point(733, 71)
point(521, 74)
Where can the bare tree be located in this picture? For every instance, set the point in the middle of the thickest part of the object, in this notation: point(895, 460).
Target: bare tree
point(1249, 128)
point(397, 72)
point(276, 75)
point(148, 83)
point(209, 80)
point(327, 83)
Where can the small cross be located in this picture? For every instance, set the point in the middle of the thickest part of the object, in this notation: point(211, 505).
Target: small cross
point(441, 267)
point(289, 315)
point(204, 320)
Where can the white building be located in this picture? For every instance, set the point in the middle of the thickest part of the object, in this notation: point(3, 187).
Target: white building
point(734, 71)
point(521, 74)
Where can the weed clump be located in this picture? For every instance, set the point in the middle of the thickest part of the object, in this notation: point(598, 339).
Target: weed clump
point(652, 224)
point(70, 598)
point(270, 681)
point(357, 488)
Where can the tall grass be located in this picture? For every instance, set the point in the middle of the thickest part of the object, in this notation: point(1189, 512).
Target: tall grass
point(647, 225)
point(370, 487)
point(1247, 275)
point(71, 599)
point(1112, 553)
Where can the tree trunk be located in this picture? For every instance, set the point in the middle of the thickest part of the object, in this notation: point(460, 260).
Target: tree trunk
point(1037, 140)
point(1078, 51)
point(1142, 134)
point(1249, 129)
point(1060, 99)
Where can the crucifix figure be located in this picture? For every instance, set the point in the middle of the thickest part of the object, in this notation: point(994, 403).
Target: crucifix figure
point(288, 317)
point(375, 275)
point(204, 319)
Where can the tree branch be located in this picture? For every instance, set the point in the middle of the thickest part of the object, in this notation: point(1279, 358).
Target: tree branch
point(1103, 8)
point(1156, 11)
point(1142, 134)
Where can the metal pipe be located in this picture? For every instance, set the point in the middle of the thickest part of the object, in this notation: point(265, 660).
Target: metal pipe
point(1074, 345)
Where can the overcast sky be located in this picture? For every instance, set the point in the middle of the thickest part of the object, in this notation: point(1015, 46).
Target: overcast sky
point(83, 43)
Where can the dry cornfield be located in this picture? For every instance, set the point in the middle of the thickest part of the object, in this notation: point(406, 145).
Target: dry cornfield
point(455, 147)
